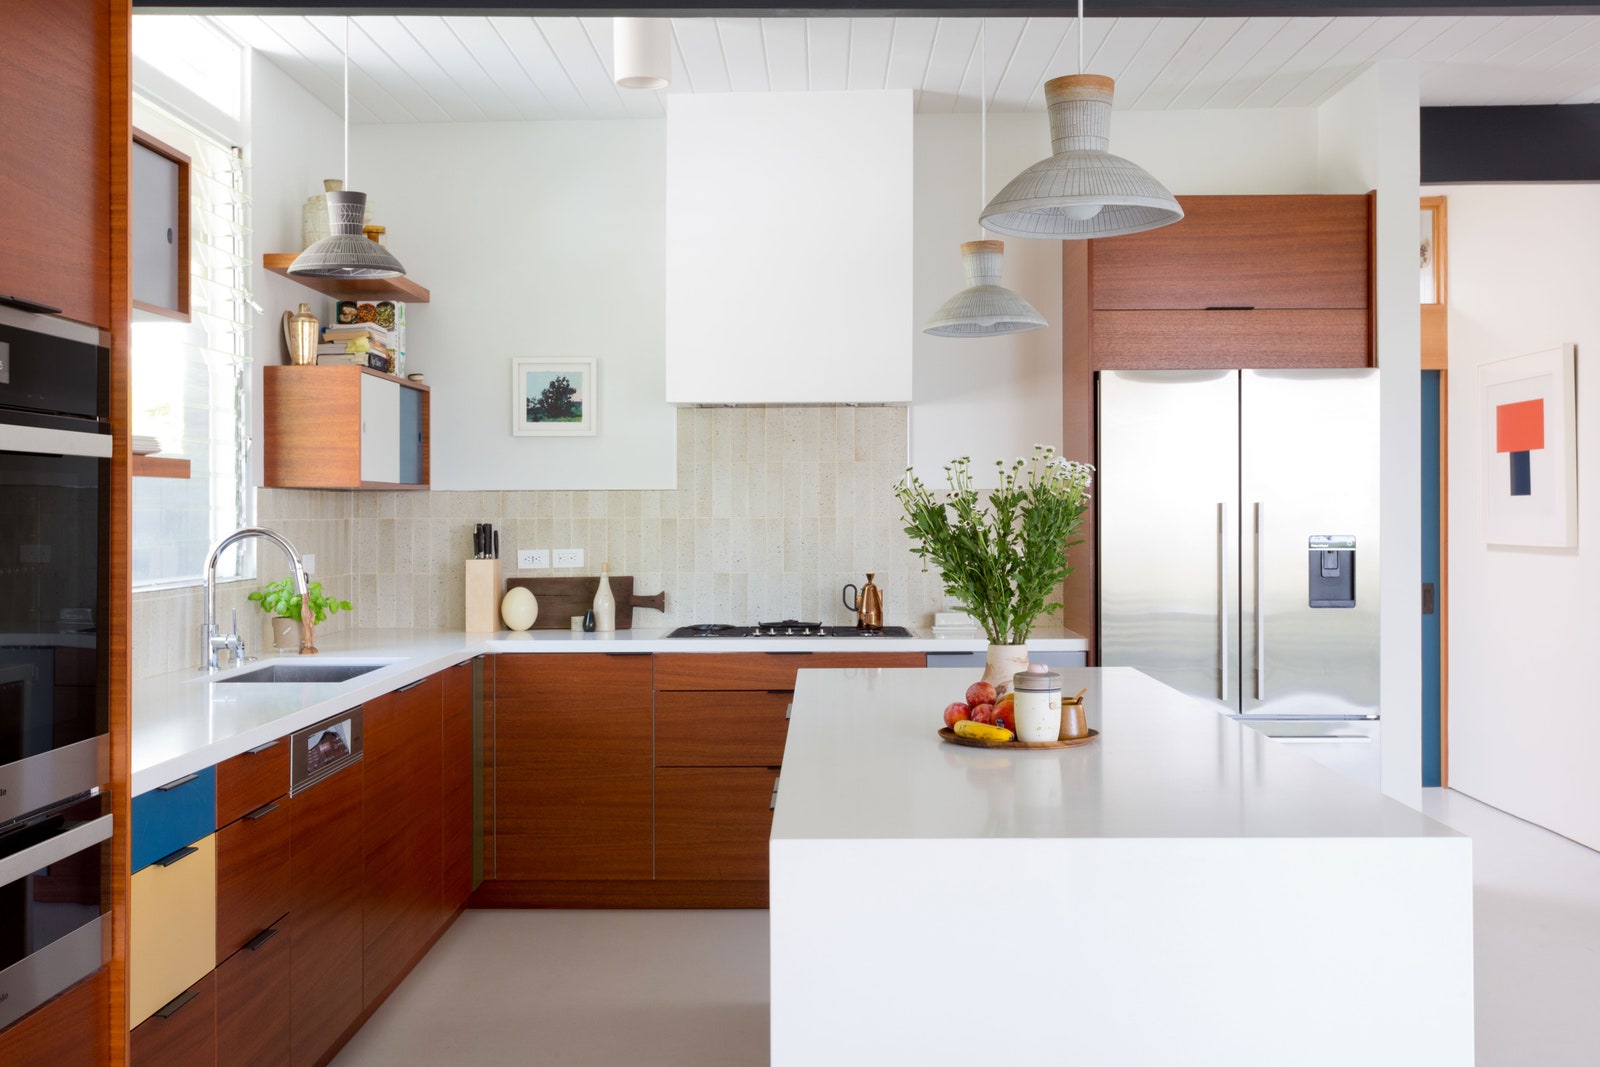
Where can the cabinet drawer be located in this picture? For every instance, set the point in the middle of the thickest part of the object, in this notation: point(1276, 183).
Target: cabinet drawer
point(172, 927)
point(721, 728)
point(251, 779)
point(184, 1034)
point(253, 1003)
point(763, 670)
point(713, 823)
point(174, 815)
point(252, 875)
point(1225, 340)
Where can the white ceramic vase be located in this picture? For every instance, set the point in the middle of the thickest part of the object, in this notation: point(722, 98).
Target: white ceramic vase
point(285, 634)
point(1001, 663)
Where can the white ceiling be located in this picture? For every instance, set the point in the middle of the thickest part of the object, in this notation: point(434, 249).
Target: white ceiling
point(415, 68)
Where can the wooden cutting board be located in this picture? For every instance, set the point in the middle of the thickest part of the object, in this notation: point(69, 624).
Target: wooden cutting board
point(561, 598)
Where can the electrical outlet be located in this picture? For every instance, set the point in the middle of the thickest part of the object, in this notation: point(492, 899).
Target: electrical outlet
point(533, 559)
point(309, 562)
point(569, 557)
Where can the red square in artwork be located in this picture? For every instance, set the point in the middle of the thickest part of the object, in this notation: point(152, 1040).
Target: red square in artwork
point(1519, 427)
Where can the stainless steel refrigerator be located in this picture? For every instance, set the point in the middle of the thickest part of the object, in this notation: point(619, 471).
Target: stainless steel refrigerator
point(1239, 547)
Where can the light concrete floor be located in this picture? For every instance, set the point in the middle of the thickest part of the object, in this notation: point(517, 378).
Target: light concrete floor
point(664, 988)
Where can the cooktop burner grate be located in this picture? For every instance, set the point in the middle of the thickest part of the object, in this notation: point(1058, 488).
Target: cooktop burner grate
point(785, 628)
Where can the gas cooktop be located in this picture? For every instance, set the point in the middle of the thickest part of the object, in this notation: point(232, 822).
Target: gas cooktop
point(785, 628)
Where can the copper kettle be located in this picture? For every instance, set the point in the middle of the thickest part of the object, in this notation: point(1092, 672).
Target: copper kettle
point(868, 604)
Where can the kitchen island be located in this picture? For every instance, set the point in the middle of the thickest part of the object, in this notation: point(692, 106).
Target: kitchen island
point(1180, 891)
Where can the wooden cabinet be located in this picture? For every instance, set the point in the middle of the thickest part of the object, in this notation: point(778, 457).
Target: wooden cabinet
point(253, 857)
point(158, 228)
point(55, 171)
point(713, 823)
point(253, 1002)
point(456, 761)
point(182, 1033)
point(325, 894)
point(344, 427)
point(400, 832)
point(65, 1030)
point(251, 779)
point(1242, 281)
point(573, 767)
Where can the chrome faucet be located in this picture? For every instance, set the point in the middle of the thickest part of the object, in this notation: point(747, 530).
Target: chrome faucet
point(212, 642)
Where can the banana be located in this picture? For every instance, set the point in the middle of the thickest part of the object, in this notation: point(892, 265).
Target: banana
point(981, 732)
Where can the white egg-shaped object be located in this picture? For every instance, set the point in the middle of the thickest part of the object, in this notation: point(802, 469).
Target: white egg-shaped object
point(519, 607)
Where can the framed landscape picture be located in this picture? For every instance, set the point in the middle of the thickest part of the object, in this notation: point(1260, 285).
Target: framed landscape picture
point(553, 397)
point(1527, 441)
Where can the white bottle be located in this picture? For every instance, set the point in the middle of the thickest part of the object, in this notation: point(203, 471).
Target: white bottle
point(605, 605)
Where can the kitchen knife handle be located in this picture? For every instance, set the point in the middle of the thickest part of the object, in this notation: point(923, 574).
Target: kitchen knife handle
point(1261, 621)
point(1222, 602)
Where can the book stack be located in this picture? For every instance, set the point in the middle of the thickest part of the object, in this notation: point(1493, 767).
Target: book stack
point(366, 344)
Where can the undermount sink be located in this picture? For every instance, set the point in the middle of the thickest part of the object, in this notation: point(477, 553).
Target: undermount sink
point(304, 672)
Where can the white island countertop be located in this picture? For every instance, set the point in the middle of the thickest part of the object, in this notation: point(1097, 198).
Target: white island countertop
point(186, 721)
point(1182, 890)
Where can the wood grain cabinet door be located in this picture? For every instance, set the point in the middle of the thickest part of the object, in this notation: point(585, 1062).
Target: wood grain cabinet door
point(182, 1033)
point(253, 1002)
point(713, 823)
point(252, 875)
point(325, 904)
point(399, 831)
point(62, 1031)
point(573, 766)
point(455, 808)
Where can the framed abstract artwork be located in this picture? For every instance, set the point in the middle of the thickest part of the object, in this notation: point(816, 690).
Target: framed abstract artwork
point(553, 397)
point(1528, 442)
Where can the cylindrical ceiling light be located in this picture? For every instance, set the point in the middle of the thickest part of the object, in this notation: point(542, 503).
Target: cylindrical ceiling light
point(1082, 190)
point(985, 308)
point(346, 252)
point(641, 52)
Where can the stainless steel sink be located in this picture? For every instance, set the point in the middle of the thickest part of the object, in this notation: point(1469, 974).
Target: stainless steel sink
point(303, 672)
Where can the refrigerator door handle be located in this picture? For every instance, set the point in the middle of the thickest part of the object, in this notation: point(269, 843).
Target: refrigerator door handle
point(1261, 621)
point(1222, 602)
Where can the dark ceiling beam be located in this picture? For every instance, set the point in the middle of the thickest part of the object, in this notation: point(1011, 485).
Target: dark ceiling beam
point(1538, 143)
point(957, 8)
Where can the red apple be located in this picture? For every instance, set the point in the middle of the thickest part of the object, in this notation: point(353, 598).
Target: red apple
point(983, 713)
point(980, 693)
point(955, 713)
point(1005, 716)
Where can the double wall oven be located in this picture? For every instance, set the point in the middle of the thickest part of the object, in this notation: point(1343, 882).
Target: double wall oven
point(55, 450)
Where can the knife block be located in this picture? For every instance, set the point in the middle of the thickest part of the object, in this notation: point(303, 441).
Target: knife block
point(483, 596)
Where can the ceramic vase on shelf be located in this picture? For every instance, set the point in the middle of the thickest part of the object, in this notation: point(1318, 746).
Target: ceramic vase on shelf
point(314, 216)
point(286, 634)
point(605, 604)
point(1001, 663)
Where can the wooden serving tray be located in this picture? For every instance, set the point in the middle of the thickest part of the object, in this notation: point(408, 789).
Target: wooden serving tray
point(562, 598)
point(949, 735)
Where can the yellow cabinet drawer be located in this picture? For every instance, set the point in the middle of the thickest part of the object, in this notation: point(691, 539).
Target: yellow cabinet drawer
point(172, 927)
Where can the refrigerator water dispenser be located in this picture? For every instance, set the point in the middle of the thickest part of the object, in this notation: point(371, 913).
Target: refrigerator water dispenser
point(1331, 570)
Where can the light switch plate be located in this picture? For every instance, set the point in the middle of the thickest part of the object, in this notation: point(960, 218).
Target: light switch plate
point(309, 562)
point(569, 557)
point(533, 559)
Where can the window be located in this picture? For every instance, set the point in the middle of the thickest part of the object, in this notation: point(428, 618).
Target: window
point(191, 380)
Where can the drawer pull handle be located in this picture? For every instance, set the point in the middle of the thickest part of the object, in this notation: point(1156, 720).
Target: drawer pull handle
point(788, 653)
point(173, 1006)
point(262, 748)
point(263, 811)
point(185, 780)
point(627, 653)
point(788, 709)
point(173, 857)
point(780, 692)
point(262, 938)
point(409, 688)
point(773, 804)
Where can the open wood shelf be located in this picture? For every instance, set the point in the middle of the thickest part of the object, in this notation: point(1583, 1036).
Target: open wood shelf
point(159, 467)
point(401, 288)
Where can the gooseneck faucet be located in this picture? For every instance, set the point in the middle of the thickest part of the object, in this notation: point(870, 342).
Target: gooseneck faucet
point(211, 642)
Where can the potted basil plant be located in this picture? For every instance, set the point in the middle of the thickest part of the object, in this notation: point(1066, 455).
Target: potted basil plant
point(279, 600)
point(1001, 555)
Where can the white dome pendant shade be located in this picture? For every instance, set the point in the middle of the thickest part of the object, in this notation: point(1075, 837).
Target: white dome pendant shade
point(1082, 190)
point(346, 252)
point(984, 308)
point(641, 53)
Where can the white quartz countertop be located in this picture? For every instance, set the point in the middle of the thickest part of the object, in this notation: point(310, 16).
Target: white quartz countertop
point(864, 761)
point(186, 721)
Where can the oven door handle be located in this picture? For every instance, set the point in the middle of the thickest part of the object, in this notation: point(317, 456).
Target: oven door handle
point(57, 848)
point(45, 441)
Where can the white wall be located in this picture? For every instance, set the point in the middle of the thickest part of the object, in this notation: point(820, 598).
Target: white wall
point(1524, 265)
point(1368, 139)
point(994, 398)
point(295, 142)
point(536, 240)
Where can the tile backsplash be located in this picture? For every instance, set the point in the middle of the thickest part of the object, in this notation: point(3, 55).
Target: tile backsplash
point(776, 509)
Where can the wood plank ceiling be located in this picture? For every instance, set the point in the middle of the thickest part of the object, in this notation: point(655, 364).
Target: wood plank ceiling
point(417, 68)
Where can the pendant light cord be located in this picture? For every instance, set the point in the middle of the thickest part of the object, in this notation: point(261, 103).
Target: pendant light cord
point(1080, 36)
point(347, 100)
point(983, 121)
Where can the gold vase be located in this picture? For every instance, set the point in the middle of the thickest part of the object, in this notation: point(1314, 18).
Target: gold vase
point(300, 332)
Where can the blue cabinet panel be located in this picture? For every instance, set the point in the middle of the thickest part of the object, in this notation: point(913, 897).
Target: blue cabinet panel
point(172, 816)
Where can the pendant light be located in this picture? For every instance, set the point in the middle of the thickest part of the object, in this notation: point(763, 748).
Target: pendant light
point(346, 252)
point(984, 308)
point(641, 53)
point(1082, 190)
